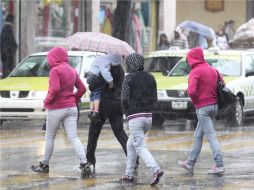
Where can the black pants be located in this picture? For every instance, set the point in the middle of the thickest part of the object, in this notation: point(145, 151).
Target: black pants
point(8, 65)
point(110, 110)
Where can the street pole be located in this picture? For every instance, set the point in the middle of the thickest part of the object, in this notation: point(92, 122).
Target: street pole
point(19, 29)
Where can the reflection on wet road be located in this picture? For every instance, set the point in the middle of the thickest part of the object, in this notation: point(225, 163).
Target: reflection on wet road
point(22, 144)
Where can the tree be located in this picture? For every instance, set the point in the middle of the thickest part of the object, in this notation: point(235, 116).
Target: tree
point(120, 22)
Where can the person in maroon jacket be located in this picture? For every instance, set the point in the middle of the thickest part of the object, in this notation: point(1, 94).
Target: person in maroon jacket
point(202, 89)
point(61, 102)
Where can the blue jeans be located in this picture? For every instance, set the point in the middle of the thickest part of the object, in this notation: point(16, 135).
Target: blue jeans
point(136, 146)
point(205, 127)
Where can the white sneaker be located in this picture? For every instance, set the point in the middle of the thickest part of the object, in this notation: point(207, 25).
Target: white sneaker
point(216, 170)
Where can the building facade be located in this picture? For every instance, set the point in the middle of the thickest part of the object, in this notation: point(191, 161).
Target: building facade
point(41, 22)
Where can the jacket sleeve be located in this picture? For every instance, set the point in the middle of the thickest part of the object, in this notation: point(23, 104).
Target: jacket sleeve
point(81, 89)
point(54, 87)
point(154, 97)
point(105, 72)
point(125, 93)
point(192, 86)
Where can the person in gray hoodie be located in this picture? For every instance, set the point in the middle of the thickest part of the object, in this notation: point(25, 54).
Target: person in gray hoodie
point(100, 66)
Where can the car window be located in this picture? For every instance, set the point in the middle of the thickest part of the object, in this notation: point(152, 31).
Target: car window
point(37, 66)
point(249, 63)
point(76, 62)
point(32, 66)
point(227, 67)
point(181, 69)
point(160, 64)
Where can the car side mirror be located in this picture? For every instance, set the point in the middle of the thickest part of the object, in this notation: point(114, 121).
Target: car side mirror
point(249, 73)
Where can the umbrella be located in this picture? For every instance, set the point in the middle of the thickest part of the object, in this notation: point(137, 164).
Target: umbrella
point(245, 33)
point(98, 42)
point(198, 28)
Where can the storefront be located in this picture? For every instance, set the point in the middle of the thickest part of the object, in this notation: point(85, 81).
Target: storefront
point(142, 28)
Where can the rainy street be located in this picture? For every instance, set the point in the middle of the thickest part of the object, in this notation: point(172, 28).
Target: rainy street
point(22, 144)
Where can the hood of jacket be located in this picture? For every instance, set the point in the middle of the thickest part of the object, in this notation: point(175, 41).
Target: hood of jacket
point(112, 59)
point(195, 57)
point(135, 62)
point(56, 56)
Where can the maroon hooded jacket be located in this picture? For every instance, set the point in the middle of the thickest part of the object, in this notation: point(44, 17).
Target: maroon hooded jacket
point(62, 80)
point(202, 82)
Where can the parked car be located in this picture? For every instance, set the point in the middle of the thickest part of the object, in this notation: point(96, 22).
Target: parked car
point(238, 70)
point(23, 91)
point(161, 62)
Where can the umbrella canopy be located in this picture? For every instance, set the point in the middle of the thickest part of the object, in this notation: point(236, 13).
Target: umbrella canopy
point(245, 33)
point(98, 42)
point(198, 28)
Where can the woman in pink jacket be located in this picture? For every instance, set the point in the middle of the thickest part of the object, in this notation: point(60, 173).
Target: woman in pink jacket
point(202, 89)
point(61, 103)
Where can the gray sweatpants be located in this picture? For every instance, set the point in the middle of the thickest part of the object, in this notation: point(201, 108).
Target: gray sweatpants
point(136, 146)
point(69, 118)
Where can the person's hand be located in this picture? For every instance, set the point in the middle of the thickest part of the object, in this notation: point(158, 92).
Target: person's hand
point(111, 86)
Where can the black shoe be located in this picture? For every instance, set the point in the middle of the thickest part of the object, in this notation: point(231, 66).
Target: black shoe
point(41, 168)
point(156, 177)
point(85, 170)
point(127, 179)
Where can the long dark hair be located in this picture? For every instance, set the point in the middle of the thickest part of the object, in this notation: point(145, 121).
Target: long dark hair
point(163, 35)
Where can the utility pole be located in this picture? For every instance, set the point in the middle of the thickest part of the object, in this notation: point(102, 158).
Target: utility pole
point(88, 13)
point(27, 25)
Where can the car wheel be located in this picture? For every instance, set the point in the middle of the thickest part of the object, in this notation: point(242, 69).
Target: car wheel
point(236, 117)
point(44, 126)
point(78, 117)
point(158, 121)
point(194, 123)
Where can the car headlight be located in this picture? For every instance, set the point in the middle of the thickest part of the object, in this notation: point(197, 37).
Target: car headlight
point(33, 94)
point(38, 94)
point(161, 93)
point(182, 93)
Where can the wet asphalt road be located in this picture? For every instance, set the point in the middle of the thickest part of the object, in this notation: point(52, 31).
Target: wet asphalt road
point(22, 144)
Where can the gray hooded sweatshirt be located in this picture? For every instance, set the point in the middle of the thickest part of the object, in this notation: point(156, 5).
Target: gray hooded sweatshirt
point(101, 65)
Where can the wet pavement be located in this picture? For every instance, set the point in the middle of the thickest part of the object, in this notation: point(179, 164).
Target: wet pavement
point(22, 144)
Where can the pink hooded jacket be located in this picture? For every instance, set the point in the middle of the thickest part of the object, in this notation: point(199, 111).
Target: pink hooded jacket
point(202, 83)
point(62, 80)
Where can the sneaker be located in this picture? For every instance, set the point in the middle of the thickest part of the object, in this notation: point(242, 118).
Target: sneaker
point(183, 164)
point(85, 170)
point(216, 170)
point(156, 177)
point(127, 179)
point(41, 168)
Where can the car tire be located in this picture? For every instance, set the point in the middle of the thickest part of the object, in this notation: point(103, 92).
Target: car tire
point(194, 123)
point(157, 121)
point(78, 117)
point(44, 126)
point(236, 117)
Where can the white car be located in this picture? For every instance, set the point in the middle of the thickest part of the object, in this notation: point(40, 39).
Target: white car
point(23, 91)
point(238, 70)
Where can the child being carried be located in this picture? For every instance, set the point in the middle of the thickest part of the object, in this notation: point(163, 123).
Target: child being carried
point(100, 66)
